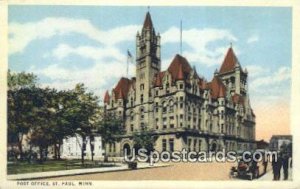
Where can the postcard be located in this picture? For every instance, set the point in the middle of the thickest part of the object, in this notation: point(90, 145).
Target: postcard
point(148, 95)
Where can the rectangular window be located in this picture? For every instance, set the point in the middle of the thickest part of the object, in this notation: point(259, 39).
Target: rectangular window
point(181, 105)
point(142, 98)
point(195, 145)
point(200, 141)
point(189, 144)
point(181, 86)
point(171, 144)
point(164, 123)
point(131, 127)
point(164, 145)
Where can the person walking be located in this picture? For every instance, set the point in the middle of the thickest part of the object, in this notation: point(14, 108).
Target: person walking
point(276, 165)
point(285, 165)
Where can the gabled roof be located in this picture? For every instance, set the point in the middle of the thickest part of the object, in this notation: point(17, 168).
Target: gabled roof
point(106, 97)
point(217, 87)
point(179, 64)
point(122, 88)
point(148, 21)
point(230, 61)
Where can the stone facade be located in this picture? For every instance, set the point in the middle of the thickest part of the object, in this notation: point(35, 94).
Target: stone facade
point(180, 108)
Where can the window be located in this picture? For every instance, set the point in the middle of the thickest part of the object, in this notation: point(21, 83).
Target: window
point(131, 127)
point(164, 123)
point(181, 98)
point(171, 105)
point(189, 144)
point(142, 98)
point(142, 113)
point(181, 105)
point(200, 141)
point(142, 87)
point(171, 144)
point(181, 86)
point(172, 122)
point(195, 145)
point(164, 107)
point(143, 127)
point(222, 128)
point(156, 92)
point(167, 88)
point(181, 116)
point(164, 145)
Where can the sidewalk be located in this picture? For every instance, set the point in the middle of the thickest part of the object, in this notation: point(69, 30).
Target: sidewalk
point(269, 175)
point(40, 175)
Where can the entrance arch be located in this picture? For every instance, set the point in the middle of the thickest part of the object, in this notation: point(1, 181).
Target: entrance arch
point(213, 147)
point(126, 149)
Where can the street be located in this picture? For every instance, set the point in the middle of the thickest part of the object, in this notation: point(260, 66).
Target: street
point(176, 171)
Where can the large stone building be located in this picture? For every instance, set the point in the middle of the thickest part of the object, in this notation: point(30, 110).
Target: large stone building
point(182, 109)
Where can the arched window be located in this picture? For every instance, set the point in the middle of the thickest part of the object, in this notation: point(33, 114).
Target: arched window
point(171, 105)
point(164, 107)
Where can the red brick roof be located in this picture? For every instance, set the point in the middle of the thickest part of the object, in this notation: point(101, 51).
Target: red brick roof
point(229, 62)
point(106, 97)
point(179, 64)
point(148, 21)
point(217, 87)
point(122, 88)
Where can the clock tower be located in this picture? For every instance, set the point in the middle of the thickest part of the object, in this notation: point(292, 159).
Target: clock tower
point(147, 60)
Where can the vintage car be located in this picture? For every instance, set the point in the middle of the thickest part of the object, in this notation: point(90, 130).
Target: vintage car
point(248, 169)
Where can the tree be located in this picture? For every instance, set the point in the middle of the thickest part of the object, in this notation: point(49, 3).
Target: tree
point(143, 139)
point(20, 110)
point(86, 109)
point(110, 128)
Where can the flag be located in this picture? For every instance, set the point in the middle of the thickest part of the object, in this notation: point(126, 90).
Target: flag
point(129, 54)
point(129, 57)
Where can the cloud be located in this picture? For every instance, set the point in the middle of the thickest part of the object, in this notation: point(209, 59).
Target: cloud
point(271, 80)
point(97, 78)
point(96, 53)
point(255, 70)
point(21, 34)
point(199, 40)
point(253, 39)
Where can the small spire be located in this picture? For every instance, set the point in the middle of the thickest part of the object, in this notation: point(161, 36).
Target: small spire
point(148, 21)
point(230, 44)
point(106, 97)
point(148, 7)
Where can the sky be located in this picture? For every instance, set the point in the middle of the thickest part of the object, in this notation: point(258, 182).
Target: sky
point(65, 45)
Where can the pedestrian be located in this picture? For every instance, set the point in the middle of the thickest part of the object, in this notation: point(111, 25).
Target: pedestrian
point(285, 165)
point(276, 165)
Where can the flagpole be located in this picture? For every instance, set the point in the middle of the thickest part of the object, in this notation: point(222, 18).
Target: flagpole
point(127, 67)
point(181, 37)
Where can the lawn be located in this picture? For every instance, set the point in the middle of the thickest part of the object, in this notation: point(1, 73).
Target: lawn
point(53, 165)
